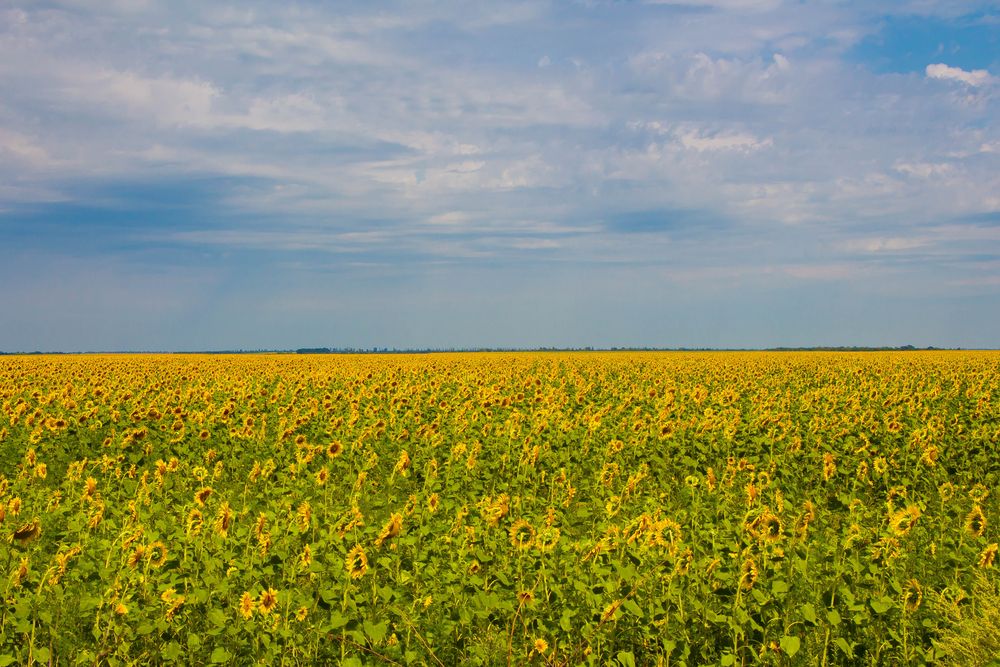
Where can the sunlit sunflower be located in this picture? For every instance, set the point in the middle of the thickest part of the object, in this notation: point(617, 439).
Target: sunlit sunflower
point(247, 605)
point(137, 556)
point(335, 449)
point(202, 495)
point(268, 601)
point(433, 502)
point(356, 562)
point(988, 556)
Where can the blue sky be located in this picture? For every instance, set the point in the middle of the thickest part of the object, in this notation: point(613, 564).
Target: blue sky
point(711, 173)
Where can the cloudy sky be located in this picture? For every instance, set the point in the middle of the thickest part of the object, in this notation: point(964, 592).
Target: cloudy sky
point(185, 175)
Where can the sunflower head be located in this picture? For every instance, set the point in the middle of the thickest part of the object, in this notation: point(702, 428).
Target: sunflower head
point(522, 534)
point(356, 562)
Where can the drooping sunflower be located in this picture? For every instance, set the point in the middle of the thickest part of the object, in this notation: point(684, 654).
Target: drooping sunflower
point(356, 562)
point(393, 527)
point(988, 556)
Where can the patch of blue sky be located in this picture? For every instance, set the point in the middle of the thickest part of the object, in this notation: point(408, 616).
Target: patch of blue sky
point(907, 43)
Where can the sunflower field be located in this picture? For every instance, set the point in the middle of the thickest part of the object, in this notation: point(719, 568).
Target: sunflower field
point(493, 509)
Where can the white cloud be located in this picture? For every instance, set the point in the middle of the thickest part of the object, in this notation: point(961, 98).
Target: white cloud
point(741, 142)
point(924, 170)
point(976, 77)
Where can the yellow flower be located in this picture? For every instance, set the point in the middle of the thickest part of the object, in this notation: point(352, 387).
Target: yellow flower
point(391, 529)
point(247, 605)
point(541, 646)
point(522, 534)
point(268, 601)
point(157, 553)
point(356, 562)
point(913, 595)
point(121, 609)
point(975, 522)
point(748, 573)
point(988, 556)
point(525, 598)
point(137, 556)
point(302, 613)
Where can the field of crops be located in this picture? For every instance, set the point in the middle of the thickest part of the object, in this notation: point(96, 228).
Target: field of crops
point(605, 508)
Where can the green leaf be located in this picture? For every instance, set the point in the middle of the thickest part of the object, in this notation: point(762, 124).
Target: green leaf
point(217, 617)
point(172, 652)
point(882, 605)
point(845, 647)
point(632, 607)
point(220, 655)
point(809, 613)
point(42, 654)
point(376, 631)
point(790, 644)
point(626, 658)
point(778, 586)
point(728, 659)
point(194, 642)
point(7, 660)
point(833, 616)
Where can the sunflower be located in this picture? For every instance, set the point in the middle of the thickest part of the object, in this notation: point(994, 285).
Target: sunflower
point(901, 521)
point(392, 528)
point(322, 475)
point(433, 501)
point(540, 646)
point(829, 466)
point(335, 449)
point(988, 556)
point(748, 574)
point(268, 601)
point(302, 613)
point(525, 598)
point(978, 492)
point(946, 491)
point(157, 553)
point(306, 558)
point(913, 595)
point(975, 521)
point(356, 562)
point(28, 532)
point(137, 556)
point(522, 534)
point(194, 521)
point(223, 519)
point(202, 495)
point(247, 605)
point(547, 538)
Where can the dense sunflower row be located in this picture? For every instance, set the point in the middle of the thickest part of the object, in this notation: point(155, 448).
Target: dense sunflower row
point(726, 508)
